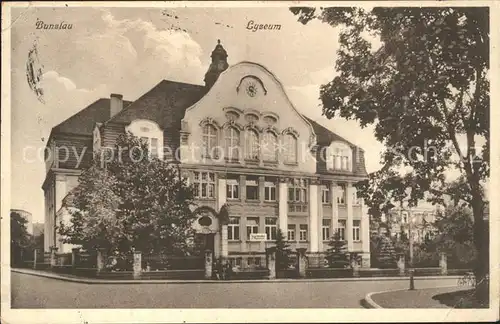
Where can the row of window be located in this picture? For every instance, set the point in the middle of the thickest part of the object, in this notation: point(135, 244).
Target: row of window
point(271, 228)
point(204, 185)
point(254, 147)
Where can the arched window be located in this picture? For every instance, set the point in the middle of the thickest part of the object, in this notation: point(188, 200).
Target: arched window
point(339, 157)
point(290, 144)
point(232, 138)
point(209, 141)
point(269, 147)
point(252, 144)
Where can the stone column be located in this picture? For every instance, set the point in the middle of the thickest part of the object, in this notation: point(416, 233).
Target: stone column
point(401, 264)
point(137, 264)
point(74, 256)
point(101, 259)
point(221, 200)
point(35, 254)
point(301, 262)
point(283, 206)
point(443, 263)
point(208, 264)
point(335, 207)
point(313, 217)
point(319, 227)
point(53, 257)
point(271, 262)
point(349, 211)
point(365, 235)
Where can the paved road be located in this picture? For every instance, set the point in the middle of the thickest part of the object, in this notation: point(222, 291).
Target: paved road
point(30, 291)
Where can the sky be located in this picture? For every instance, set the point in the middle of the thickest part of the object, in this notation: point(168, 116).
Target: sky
point(130, 50)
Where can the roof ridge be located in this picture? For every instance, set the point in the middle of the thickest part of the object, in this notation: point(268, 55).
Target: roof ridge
point(79, 112)
point(163, 81)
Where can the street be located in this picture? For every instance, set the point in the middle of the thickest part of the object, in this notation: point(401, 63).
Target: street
point(30, 291)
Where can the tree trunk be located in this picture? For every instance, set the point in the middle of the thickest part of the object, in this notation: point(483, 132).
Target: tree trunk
point(481, 241)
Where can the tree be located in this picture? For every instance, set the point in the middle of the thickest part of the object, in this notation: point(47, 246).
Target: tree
point(336, 254)
point(283, 251)
point(131, 199)
point(425, 90)
point(454, 235)
point(19, 238)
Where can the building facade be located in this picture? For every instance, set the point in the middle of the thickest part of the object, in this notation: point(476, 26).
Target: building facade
point(420, 218)
point(242, 144)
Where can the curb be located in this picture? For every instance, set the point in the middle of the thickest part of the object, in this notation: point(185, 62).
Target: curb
point(159, 281)
point(372, 304)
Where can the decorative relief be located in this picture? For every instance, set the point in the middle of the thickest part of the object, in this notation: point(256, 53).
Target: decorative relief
point(232, 123)
point(232, 116)
point(251, 117)
point(270, 120)
point(209, 120)
point(252, 85)
point(290, 130)
point(272, 129)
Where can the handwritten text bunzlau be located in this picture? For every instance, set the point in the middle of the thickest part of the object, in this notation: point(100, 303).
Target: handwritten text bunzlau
point(255, 27)
point(62, 25)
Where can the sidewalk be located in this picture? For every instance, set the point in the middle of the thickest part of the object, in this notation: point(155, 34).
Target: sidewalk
point(73, 278)
point(418, 298)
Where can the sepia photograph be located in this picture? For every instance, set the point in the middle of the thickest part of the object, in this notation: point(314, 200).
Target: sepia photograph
point(248, 162)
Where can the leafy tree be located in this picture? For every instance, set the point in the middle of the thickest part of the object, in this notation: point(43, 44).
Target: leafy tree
point(454, 229)
point(130, 199)
point(19, 238)
point(425, 89)
point(336, 254)
point(283, 251)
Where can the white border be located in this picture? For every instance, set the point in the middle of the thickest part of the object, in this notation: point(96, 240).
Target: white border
point(241, 315)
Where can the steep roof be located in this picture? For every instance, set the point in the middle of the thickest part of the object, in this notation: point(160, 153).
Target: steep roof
point(324, 135)
point(82, 123)
point(166, 104)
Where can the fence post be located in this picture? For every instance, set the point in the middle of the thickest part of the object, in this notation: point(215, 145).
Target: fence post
point(355, 265)
point(53, 259)
point(74, 256)
point(443, 263)
point(401, 264)
point(208, 264)
point(301, 262)
point(271, 262)
point(137, 264)
point(101, 257)
point(35, 253)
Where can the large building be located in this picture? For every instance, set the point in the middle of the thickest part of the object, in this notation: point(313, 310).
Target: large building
point(241, 143)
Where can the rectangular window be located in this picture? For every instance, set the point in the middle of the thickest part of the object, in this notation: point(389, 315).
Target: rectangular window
point(235, 262)
point(325, 193)
point(269, 191)
point(356, 230)
point(303, 232)
point(341, 229)
point(271, 228)
point(291, 232)
point(297, 191)
point(233, 189)
point(253, 261)
point(204, 184)
point(326, 229)
point(233, 229)
point(341, 194)
point(252, 226)
point(355, 199)
point(252, 189)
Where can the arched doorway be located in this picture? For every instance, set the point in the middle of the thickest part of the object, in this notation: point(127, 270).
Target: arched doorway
point(206, 227)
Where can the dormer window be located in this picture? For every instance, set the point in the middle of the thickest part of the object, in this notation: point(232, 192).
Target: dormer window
point(339, 157)
point(150, 134)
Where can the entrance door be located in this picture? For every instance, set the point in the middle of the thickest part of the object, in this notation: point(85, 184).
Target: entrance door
point(205, 242)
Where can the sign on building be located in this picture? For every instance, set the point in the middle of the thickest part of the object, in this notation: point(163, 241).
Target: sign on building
point(258, 237)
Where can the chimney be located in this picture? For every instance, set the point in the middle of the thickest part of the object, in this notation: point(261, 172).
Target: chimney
point(115, 104)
